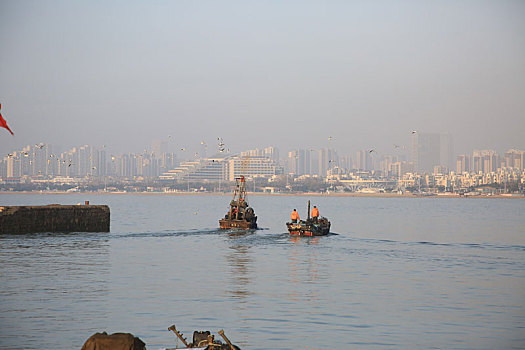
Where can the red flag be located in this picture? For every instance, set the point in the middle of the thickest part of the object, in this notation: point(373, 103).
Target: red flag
point(3, 123)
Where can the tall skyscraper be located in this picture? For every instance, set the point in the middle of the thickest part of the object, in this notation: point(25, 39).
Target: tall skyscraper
point(328, 159)
point(314, 162)
point(363, 160)
point(463, 163)
point(345, 162)
point(431, 149)
point(272, 153)
point(299, 162)
point(485, 161)
point(12, 167)
point(446, 151)
point(158, 147)
point(385, 163)
point(477, 162)
point(514, 159)
point(490, 162)
point(399, 169)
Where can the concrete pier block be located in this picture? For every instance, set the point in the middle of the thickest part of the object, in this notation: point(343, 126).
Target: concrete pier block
point(54, 218)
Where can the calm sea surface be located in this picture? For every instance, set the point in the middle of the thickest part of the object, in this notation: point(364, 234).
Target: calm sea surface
point(400, 273)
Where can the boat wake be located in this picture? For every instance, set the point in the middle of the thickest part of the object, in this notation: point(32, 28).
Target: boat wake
point(445, 244)
point(169, 233)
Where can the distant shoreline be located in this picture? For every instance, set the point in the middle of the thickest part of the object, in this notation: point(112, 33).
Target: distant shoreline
point(303, 194)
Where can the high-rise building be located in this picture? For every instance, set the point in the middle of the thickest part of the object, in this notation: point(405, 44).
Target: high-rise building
point(159, 147)
point(514, 159)
point(477, 162)
point(431, 149)
point(167, 161)
point(345, 162)
point(127, 165)
point(52, 158)
point(446, 155)
point(328, 159)
point(314, 162)
point(299, 162)
point(485, 161)
point(463, 163)
point(386, 162)
point(102, 163)
point(363, 160)
point(490, 162)
point(272, 153)
point(39, 160)
point(398, 169)
point(13, 168)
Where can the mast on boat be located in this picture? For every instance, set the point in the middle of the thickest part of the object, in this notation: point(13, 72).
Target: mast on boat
point(308, 214)
point(239, 196)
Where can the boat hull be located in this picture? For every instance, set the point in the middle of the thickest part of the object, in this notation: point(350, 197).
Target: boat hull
point(237, 224)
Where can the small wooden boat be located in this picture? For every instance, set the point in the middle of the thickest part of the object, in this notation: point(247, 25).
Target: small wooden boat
point(240, 215)
point(309, 227)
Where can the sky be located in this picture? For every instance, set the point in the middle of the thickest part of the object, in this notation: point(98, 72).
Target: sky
point(288, 74)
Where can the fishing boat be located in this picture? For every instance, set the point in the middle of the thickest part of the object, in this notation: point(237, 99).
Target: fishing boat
point(240, 215)
point(309, 227)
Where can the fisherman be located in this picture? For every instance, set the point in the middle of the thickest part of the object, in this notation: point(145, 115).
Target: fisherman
point(315, 214)
point(295, 216)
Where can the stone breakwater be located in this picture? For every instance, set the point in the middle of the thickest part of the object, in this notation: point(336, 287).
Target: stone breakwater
point(54, 218)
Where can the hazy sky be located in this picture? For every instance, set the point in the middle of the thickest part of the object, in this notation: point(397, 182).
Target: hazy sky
point(260, 73)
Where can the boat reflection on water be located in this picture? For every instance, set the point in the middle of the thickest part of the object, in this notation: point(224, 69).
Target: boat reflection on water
point(241, 262)
point(304, 268)
point(298, 239)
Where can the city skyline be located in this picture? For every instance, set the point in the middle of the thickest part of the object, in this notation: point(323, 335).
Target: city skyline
point(430, 157)
point(202, 148)
point(256, 74)
point(487, 173)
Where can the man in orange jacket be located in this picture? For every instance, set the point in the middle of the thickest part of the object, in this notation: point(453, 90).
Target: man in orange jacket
point(315, 214)
point(295, 216)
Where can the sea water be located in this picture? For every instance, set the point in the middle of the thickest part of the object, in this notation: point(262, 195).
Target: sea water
point(398, 273)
